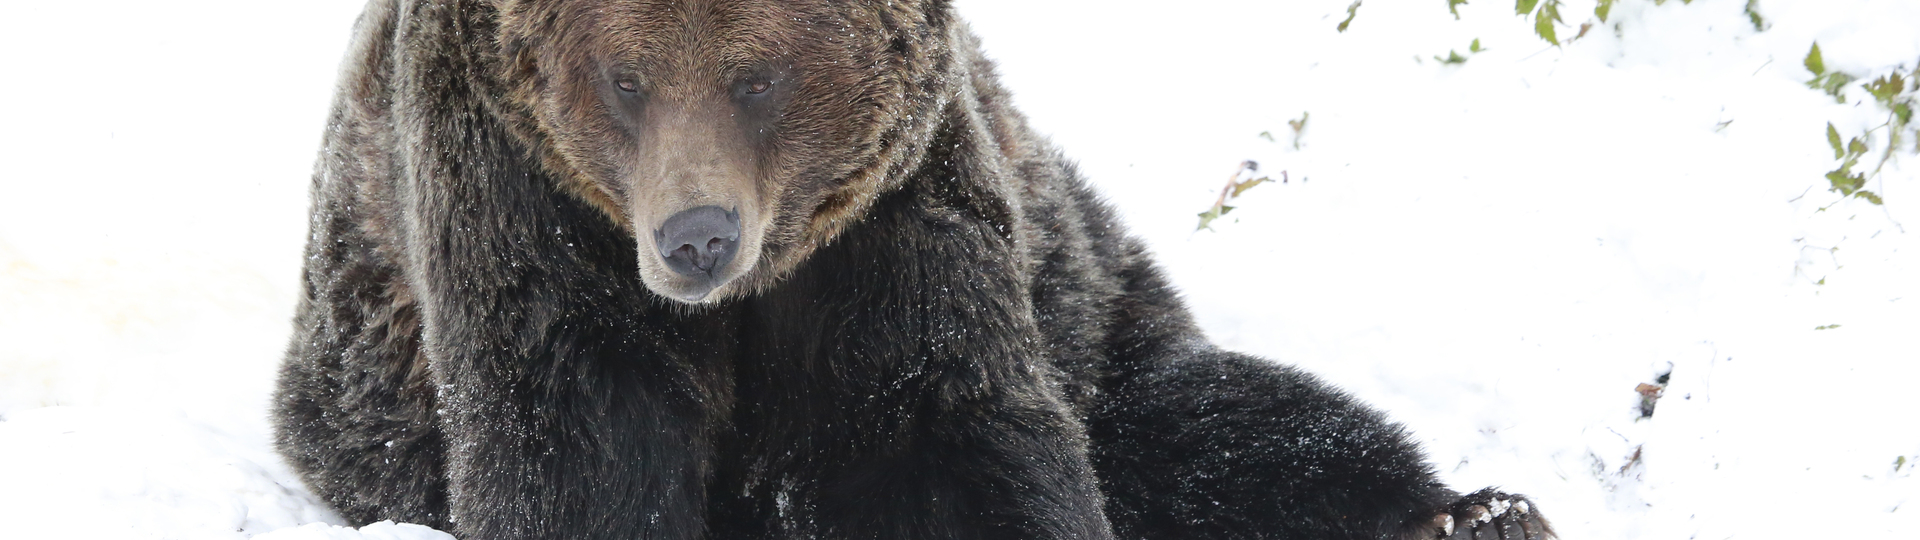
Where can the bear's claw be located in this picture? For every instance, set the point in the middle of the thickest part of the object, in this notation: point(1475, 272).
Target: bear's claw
point(1490, 515)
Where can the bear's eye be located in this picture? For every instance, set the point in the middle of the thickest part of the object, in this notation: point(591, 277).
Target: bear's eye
point(759, 87)
point(627, 85)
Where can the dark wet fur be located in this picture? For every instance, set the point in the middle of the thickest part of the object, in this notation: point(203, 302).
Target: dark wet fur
point(982, 353)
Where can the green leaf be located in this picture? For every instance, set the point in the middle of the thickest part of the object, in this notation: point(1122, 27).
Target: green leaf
point(1903, 112)
point(1454, 6)
point(1869, 196)
point(1826, 327)
point(1834, 84)
point(1268, 135)
point(1524, 7)
point(1475, 47)
point(1452, 57)
point(1601, 11)
point(1352, 11)
point(1206, 218)
point(1837, 84)
point(1833, 138)
point(1543, 25)
point(1813, 61)
point(1845, 183)
point(1899, 462)
point(1753, 14)
point(1856, 147)
point(1242, 187)
point(1886, 88)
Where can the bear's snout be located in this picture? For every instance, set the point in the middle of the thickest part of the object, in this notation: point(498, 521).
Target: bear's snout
point(698, 242)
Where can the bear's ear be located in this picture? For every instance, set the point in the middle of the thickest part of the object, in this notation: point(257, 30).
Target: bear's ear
point(518, 53)
point(524, 18)
point(523, 26)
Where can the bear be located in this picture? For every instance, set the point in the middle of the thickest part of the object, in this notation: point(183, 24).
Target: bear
point(680, 269)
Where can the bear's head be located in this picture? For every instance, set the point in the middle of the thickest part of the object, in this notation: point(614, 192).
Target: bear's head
point(731, 138)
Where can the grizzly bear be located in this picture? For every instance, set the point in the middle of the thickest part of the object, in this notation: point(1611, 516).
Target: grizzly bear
point(681, 269)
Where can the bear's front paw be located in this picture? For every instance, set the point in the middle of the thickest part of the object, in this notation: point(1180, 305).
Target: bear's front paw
point(1491, 515)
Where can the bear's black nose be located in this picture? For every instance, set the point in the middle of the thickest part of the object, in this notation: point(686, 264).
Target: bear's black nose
point(698, 240)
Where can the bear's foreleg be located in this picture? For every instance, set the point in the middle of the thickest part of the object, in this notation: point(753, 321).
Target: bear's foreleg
point(617, 454)
point(573, 404)
point(896, 389)
point(987, 471)
point(569, 414)
point(353, 413)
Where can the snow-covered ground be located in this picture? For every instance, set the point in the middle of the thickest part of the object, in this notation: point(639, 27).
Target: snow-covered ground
point(1496, 252)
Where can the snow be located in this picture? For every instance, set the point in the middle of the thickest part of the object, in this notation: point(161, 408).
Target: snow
point(384, 530)
point(109, 472)
point(1496, 252)
point(1498, 507)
